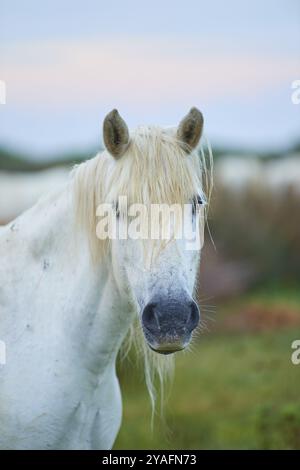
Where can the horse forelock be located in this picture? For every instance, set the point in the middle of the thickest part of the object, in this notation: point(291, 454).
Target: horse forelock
point(155, 169)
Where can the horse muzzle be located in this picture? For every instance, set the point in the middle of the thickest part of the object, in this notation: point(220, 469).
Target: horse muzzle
point(168, 325)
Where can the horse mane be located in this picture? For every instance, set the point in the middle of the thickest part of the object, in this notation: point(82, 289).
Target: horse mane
point(154, 169)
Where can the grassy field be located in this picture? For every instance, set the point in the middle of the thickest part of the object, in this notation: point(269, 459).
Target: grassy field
point(236, 389)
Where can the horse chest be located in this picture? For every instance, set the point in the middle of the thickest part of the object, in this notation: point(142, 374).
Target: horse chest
point(95, 420)
point(70, 410)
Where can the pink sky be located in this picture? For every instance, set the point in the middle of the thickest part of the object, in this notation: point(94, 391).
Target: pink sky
point(63, 77)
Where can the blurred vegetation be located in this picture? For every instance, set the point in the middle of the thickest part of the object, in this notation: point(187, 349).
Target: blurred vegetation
point(234, 390)
point(260, 228)
point(220, 151)
point(15, 161)
point(12, 161)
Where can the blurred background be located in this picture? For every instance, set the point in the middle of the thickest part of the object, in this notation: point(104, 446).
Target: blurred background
point(65, 66)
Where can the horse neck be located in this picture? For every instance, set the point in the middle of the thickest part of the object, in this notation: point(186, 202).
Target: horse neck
point(105, 314)
point(109, 318)
point(87, 301)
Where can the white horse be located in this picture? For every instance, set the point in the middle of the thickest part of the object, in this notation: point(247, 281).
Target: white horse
point(68, 299)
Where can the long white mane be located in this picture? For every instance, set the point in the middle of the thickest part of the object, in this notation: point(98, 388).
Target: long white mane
point(154, 169)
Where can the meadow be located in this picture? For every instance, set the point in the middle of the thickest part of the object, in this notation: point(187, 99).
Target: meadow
point(236, 389)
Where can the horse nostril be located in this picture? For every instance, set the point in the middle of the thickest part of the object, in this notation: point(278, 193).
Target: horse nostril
point(194, 316)
point(149, 318)
point(170, 319)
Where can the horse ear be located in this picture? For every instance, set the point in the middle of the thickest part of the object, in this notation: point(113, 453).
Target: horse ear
point(190, 129)
point(115, 134)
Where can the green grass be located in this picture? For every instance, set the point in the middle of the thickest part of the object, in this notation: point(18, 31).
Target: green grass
point(234, 391)
point(275, 294)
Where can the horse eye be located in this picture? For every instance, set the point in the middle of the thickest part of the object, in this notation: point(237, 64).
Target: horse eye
point(197, 201)
point(117, 210)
